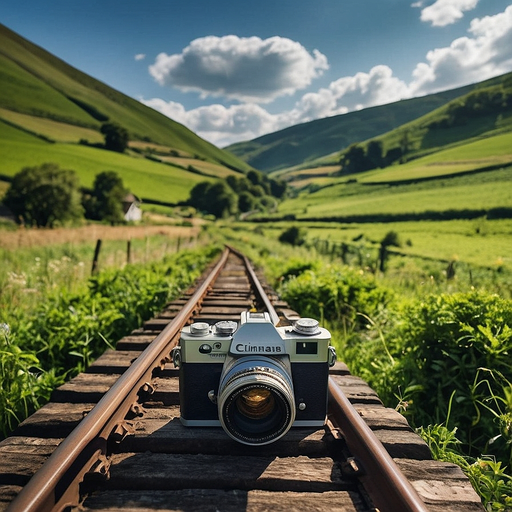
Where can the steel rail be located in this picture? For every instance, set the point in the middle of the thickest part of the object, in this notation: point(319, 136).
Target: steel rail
point(48, 490)
point(274, 317)
point(388, 488)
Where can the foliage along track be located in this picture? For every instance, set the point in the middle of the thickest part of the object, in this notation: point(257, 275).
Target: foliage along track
point(111, 438)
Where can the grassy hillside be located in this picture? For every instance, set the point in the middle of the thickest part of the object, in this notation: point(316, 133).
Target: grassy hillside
point(50, 106)
point(484, 112)
point(309, 141)
point(147, 179)
point(468, 196)
point(320, 142)
point(465, 181)
point(444, 136)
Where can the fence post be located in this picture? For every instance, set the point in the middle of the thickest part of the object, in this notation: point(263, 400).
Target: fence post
point(129, 250)
point(96, 256)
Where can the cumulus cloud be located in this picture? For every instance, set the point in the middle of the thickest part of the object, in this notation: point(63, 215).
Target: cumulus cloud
point(140, 56)
point(446, 12)
point(468, 59)
point(223, 125)
point(247, 69)
point(484, 53)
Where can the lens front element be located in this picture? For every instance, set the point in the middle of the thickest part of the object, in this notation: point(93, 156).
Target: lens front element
point(256, 401)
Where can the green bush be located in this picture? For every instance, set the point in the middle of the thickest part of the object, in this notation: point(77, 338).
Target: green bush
point(67, 331)
point(335, 293)
point(435, 359)
point(293, 236)
point(24, 385)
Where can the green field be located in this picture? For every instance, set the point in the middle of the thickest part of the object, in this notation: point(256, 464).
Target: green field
point(53, 130)
point(42, 94)
point(479, 242)
point(488, 152)
point(482, 191)
point(143, 177)
point(208, 168)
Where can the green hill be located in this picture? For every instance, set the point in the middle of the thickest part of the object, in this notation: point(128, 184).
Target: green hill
point(309, 143)
point(48, 107)
point(485, 111)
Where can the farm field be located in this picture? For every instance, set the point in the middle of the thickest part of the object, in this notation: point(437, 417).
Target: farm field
point(479, 242)
point(482, 191)
point(39, 238)
point(143, 177)
point(489, 152)
point(54, 130)
point(208, 168)
point(492, 151)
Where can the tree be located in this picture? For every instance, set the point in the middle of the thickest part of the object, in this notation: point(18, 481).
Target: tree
point(278, 188)
point(392, 155)
point(405, 145)
point(374, 154)
point(45, 196)
point(106, 201)
point(197, 197)
point(246, 202)
point(216, 198)
point(354, 159)
point(391, 238)
point(116, 137)
point(293, 236)
point(221, 200)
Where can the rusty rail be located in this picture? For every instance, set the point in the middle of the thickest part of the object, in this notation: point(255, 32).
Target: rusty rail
point(257, 286)
point(388, 487)
point(55, 485)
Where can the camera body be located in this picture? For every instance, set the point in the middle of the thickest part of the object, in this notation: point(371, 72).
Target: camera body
point(255, 380)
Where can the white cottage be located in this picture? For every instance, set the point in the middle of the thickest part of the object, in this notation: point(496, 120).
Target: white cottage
point(131, 208)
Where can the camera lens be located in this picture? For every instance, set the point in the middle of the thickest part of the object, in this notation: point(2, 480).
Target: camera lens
point(256, 401)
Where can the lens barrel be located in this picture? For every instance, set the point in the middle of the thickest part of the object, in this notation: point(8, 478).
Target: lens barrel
point(256, 401)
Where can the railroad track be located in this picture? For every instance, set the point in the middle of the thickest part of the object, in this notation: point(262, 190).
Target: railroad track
point(112, 439)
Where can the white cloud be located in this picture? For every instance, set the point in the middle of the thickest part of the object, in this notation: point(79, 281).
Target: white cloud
point(224, 125)
point(468, 59)
point(246, 69)
point(368, 89)
point(140, 56)
point(484, 53)
point(446, 12)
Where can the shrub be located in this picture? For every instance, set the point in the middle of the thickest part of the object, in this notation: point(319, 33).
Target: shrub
point(439, 347)
point(293, 236)
point(336, 293)
point(45, 195)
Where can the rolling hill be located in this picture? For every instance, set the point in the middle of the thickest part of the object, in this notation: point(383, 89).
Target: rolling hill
point(50, 111)
point(312, 141)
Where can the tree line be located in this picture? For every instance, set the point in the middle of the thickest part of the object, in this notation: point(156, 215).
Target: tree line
point(46, 196)
point(252, 192)
point(360, 157)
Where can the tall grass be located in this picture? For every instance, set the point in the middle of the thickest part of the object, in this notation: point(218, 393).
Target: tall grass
point(55, 319)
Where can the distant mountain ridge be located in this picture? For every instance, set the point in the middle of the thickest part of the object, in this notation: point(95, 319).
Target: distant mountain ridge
point(322, 137)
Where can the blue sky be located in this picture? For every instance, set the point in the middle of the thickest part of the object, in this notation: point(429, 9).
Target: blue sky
point(233, 71)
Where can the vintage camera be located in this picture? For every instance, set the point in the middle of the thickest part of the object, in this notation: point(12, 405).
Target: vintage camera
point(255, 380)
